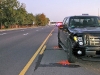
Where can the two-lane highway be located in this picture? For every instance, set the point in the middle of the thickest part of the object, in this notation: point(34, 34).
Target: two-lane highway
point(18, 46)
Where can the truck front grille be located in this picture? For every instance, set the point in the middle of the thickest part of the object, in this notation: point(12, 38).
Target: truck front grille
point(92, 39)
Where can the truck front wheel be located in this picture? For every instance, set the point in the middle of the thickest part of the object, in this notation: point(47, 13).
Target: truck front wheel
point(71, 57)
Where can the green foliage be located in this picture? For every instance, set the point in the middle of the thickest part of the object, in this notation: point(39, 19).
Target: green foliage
point(41, 20)
point(12, 12)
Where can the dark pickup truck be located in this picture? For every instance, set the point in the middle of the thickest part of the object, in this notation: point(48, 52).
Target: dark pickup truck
point(79, 36)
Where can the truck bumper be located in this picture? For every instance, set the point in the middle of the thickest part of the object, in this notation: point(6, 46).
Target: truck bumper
point(88, 51)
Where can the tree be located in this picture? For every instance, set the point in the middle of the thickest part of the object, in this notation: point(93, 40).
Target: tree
point(30, 18)
point(37, 20)
point(41, 20)
point(12, 12)
point(47, 20)
point(8, 8)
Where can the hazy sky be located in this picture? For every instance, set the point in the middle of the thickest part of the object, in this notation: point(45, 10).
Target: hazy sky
point(56, 10)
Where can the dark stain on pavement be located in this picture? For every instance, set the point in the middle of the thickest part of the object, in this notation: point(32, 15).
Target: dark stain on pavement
point(38, 61)
point(59, 65)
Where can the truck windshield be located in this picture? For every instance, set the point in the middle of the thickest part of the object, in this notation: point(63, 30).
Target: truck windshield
point(84, 21)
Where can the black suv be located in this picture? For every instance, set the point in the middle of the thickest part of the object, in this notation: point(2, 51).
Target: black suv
point(79, 36)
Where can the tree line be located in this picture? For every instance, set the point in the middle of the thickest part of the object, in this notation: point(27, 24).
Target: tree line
point(13, 13)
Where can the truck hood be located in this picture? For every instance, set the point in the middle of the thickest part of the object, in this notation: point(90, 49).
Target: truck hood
point(85, 30)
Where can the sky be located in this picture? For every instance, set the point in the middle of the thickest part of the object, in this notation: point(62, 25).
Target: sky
point(56, 10)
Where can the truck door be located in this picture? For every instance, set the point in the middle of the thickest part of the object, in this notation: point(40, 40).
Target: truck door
point(65, 32)
point(61, 31)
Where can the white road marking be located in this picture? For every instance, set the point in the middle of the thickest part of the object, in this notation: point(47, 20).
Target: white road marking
point(26, 34)
point(42, 28)
point(3, 33)
point(37, 30)
point(22, 30)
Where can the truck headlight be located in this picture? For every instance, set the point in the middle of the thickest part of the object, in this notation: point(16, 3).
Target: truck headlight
point(80, 39)
point(80, 43)
point(75, 38)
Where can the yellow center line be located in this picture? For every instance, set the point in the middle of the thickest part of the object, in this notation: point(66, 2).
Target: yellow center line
point(34, 56)
point(42, 51)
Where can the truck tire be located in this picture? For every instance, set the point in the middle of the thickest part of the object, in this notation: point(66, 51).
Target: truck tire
point(71, 57)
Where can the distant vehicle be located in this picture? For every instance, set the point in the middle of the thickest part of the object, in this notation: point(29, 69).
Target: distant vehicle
point(80, 36)
point(59, 23)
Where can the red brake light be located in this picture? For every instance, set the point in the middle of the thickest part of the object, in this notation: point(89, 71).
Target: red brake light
point(59, 23)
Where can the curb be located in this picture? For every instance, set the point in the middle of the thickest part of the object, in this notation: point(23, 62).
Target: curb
point(11, 29)
point(14, 29)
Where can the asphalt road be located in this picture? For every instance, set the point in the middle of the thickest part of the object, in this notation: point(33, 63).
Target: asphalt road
point(17, 47)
